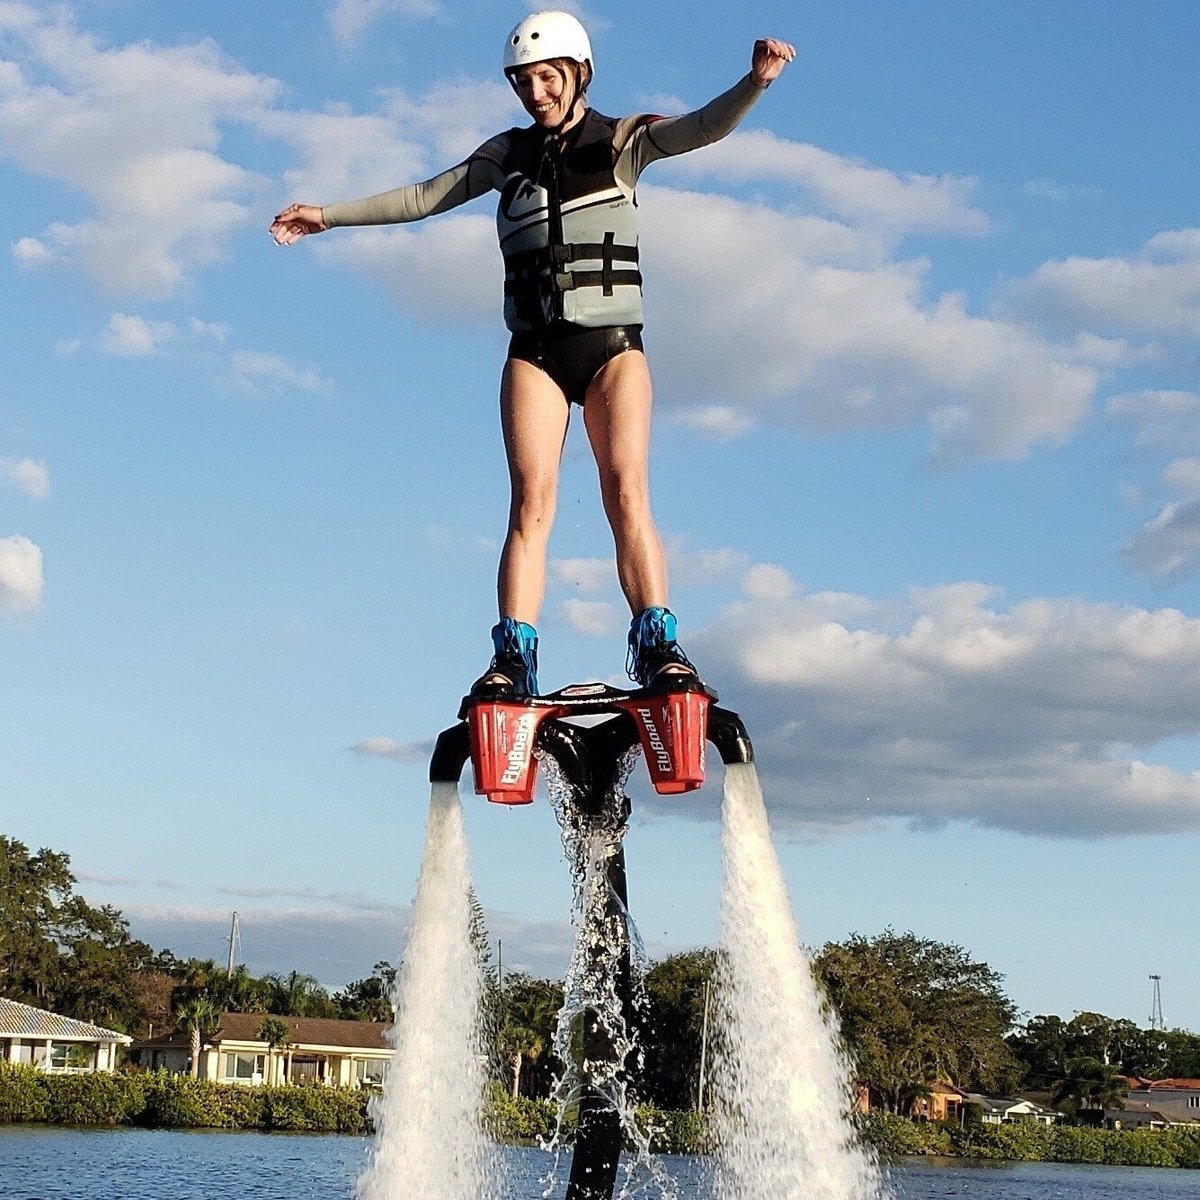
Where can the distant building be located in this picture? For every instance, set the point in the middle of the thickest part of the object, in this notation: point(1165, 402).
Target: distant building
point(1011, 1110)
point(1157, 1103)
point(944, 1103)
point(319, 1050)
point(55, 1043)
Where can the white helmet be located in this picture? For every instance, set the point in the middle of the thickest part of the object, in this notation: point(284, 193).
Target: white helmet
point(547, 35)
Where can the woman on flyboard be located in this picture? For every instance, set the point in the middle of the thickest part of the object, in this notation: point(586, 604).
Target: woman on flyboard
point(567, 222)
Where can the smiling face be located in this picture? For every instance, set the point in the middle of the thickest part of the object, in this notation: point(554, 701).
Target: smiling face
point(546, 90)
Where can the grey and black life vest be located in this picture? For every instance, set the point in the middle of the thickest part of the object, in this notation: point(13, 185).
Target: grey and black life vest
point(568, 231)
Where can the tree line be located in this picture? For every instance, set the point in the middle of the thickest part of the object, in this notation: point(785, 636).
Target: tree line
point(912, 1011)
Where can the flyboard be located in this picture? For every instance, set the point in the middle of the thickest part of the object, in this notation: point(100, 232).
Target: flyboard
point(588, 729)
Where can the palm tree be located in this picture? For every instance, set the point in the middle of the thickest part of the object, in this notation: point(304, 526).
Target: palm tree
point(276, 1034)
point(527, 1029)
point(198, 1017)
point(1089, 1087)
point(298, 995)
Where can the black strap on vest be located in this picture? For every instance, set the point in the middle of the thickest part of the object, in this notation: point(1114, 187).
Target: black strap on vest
point(533, 266)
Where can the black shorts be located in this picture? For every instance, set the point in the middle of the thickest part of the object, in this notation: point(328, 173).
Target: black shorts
point(572, 355)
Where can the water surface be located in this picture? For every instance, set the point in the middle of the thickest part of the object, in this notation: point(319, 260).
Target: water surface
point(46, 1163)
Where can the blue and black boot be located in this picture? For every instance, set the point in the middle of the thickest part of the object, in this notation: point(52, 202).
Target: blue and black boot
point(653, 649)
point(513, 671)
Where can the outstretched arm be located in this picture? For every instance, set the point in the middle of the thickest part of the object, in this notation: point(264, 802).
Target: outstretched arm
point(654, 138)
point(478, 174)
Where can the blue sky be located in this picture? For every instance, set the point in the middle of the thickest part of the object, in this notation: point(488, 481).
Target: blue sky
point(927, 460)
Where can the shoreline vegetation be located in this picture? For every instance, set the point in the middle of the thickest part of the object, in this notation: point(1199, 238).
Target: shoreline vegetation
point(158, 1100)
point(920, 1020)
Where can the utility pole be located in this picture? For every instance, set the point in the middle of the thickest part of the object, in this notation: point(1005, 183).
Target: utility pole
point(1156, 1013)
point(703, 1050)
point(233, 940)
point(500, 976)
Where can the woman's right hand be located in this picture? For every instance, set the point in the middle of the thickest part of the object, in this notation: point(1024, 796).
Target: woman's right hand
point(296, 221)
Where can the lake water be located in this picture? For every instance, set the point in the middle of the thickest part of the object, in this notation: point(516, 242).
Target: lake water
point(46, 1163)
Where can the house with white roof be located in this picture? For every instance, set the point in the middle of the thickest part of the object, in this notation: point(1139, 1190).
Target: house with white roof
point(1011, 1110)
point(52, 1042)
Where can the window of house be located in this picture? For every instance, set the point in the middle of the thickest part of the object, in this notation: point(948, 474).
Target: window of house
point(369, 1070)
point(71, 1056)
point(1194, 1102)
point(243, 1066)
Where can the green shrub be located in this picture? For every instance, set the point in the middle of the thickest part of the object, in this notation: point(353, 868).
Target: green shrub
point(1081, 1144)
point(22, 1097)
point(1017, 1143)
point(521, 1120)
point(180, 1102)
point(674, 1132)
point(98, 1098)
point(1186, 1144)
point(893, 1136)
point(243, 1107)
point(330, 1110)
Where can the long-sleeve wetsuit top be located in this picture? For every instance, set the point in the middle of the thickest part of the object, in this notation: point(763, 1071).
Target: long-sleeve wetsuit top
point(567, 217)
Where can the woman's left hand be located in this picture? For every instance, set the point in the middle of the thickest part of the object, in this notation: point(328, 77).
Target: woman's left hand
point(769, 58)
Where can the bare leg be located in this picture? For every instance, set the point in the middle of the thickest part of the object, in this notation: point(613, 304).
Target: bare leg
point(533, 415)
point(617, 418)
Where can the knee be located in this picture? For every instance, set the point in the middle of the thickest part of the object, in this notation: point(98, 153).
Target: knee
point(626, 500)
point(533, 503)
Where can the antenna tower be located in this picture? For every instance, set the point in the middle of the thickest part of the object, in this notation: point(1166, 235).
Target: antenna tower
point(233, 946)
point(1156, 1016)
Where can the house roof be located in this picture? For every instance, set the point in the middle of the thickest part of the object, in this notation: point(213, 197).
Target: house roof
point(1175, 1085)
point(306, 1031)
point(1003, 1104)
point(942, 1088)
point(302, 1031)
point(1169, 1108)
point(25, 1021)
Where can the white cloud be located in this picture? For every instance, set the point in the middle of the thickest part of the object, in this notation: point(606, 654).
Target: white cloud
point(129, 336)
point(387, 747)
point(68, 346)
point(336, 941)
point(807, 325)
point(718, 420)
point(595, 618)
point(1169, 544)
point(445, 271)
point(261, 371)
point(21, 579)
point(344, 154)
point(208, 329)
point(589, 575)
point(31, 252)
point(768, 583)
point(455, 118)
point(27, 475)
point(1183, 475)
point(350, 18)
point(136, 129)
point(865, 195)
point(1155, 292)
point(696, 568)
point(1163, 418)
point(1028, 718)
